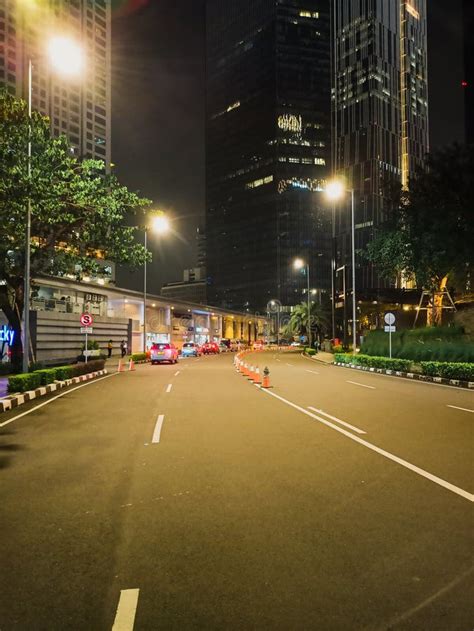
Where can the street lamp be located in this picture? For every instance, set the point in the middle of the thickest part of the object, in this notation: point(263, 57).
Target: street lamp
point(336, 190)
point(300, 264)
point(66, 57)
point(276, 303)
point(159, 225)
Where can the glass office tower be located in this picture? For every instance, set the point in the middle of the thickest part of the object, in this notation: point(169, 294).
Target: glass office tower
point(268, 149)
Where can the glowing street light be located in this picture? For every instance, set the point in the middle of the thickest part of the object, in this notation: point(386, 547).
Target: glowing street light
point(336, 190)
point(160, 223)
point(65, 57)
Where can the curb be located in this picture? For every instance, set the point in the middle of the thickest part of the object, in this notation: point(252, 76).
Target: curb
point(19, 399)
point(469, 385)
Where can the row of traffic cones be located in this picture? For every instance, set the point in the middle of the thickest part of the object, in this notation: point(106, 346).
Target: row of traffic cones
point(252, 372)
point(121, 365)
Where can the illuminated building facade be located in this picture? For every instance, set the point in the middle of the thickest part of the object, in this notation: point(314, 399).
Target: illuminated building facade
point(468, 82)
point(380, 109)
point(78, 107)
point(268, 149)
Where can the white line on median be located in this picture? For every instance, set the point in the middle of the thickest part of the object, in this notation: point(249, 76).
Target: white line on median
point(289, 364)
point(168, 389)
point(315, 372)
point(126, 610)
point(338, 420)
point(36, 407)
point(458, 408)
point(362, 385)
point(176, 373)
point(386, 454)
point(158, 426)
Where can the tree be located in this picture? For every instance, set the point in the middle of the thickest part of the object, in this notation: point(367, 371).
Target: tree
point(298, 322)
point(78, 210)
point(429, 236)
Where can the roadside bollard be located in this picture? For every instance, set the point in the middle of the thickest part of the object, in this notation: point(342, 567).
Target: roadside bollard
point(251, 375)
point(131, 365)
point(120, 367)
point(257, 378)
point(266, 378)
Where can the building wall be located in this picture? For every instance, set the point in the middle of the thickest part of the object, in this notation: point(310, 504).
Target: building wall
point(78, 107)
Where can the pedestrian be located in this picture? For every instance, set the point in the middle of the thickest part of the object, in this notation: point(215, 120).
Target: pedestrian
point(109, 348)
point(123, 348)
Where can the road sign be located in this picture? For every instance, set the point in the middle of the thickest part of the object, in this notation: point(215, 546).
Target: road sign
point(390, 329)
point(87, 329)
point(86, 319)
point(389, 318)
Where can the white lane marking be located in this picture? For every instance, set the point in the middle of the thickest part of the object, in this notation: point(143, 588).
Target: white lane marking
point(315, 372)
point(158, 426)
point(338, 420)
point(289, 364)
point(386, 454)
point(36, 407)
point(278, 360)
point(176, 373)
point(458, 408)
point(362, 385)
point(168, 389)
point(126, 610)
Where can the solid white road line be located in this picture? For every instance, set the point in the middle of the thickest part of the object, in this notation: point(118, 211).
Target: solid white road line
point(36, 407)
point(176, 373)
point(458, 408)
point(157, 431)
point(382, 452)
point(168, 389)
point(315, 372)
point(338, 420)
point(126, 610)
point(362, 385)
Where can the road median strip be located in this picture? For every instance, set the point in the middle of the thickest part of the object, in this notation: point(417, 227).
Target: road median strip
point(15, 400)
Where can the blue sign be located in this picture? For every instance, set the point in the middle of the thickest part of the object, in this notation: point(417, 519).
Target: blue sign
point(7, 334)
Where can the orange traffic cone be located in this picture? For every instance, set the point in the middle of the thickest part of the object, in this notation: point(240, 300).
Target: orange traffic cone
point(266, 378)
point(251, 375)
point(120, 366)
point(257, 378)
point(131, 364)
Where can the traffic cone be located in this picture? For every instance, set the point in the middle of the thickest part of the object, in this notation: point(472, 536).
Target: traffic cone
point(131, 364)
point(266, 378)
point(251, 375)
point(120, 366)
point(257, 378)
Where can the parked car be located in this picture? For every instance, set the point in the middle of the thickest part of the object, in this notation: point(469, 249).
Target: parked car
point(224, 348)
point(164, 352)
point(210, 348)
point(191, 349)
point(258, 345)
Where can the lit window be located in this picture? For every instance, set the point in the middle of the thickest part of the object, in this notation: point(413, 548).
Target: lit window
point(309, 14)
point(259, 182)
point(321, 161)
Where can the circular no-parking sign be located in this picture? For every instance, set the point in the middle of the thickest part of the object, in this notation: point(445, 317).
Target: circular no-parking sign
point(86, 319)
point(389, 318)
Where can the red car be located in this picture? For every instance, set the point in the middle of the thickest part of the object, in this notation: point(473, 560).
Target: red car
point(210, 348)
point(164, 353)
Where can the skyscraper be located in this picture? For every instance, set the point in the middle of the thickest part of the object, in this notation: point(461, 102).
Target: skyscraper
point(268, 149)
point(380, 106)
point(468, 83)
point(77, 107)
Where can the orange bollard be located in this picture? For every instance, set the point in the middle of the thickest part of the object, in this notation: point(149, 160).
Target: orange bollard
point(131, 365)
point(266, 378)
point(251, 375)
point(120, 366)
point(257, 378)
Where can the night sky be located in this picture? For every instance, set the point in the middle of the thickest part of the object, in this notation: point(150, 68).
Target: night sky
point(158, 112)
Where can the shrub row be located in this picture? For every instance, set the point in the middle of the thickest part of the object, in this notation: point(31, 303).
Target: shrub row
point(139, 357)
point(449, 370)
point(38, 378)
point(310, 351)
point(374, 362)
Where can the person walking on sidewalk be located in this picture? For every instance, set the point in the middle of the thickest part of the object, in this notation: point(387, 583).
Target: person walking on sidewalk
point(109, 348)
point(123, 348)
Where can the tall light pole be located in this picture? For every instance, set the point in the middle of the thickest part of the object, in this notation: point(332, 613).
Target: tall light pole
point(159, 225)
point(335, 190)
point(66, 57)
point(300, 264)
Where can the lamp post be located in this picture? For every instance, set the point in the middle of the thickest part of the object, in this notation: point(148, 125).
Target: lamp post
point(159, 225)
point(276, 303)
point(66, 57)
point(336, 190)
point(300, 264)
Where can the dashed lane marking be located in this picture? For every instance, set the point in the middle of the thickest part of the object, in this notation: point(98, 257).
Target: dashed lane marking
point(176, 373)
point(126, 610)
point(315, 372)
point(362, 385)
point(168, 389)
point(458, 408)
point(338, 420)
point(158, 426)
point(404, 463)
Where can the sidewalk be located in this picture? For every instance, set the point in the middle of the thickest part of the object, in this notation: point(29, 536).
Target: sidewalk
point(322, 356)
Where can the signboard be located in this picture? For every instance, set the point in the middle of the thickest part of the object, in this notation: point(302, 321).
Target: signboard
point(7, 334)
point(390, 329)
point(87, 329)
point(86, 319)
point(389, 318)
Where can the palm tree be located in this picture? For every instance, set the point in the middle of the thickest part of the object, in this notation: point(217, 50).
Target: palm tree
point(298, 323)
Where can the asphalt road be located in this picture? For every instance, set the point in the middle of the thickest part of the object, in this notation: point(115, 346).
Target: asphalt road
point(183, 497)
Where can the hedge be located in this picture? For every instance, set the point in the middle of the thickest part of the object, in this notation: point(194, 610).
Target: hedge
point(402, 365)
point(310, 351)
point(45, 376)
point(139, 357)
point(449, 370)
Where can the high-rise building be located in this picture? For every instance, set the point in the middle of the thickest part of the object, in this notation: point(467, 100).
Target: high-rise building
point(78, 107)
point(468, 82)
point(268, 149)
point(380, 107)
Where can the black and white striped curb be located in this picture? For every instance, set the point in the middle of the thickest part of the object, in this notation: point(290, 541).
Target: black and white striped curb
point(18, 399)
point(411, 375)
